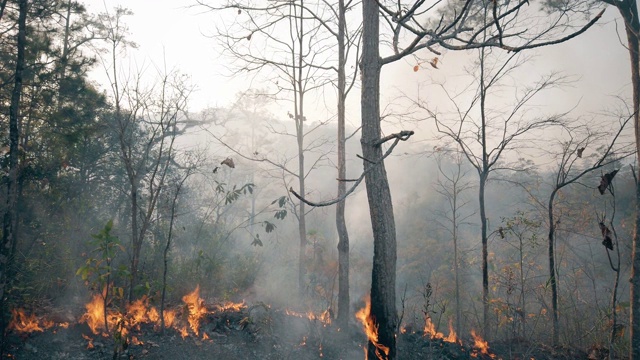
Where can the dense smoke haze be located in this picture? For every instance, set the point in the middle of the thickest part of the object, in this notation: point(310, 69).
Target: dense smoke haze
point(154, 155)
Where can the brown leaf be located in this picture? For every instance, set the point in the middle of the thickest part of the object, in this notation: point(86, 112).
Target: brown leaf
point(239, 11)
point(249, 37)
point(228, 162)
point(416, 68)
point(434, 62)
point(580, 151)
point(605, 181)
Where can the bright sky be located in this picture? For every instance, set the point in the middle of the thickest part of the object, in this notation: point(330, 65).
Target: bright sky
point(169, 31)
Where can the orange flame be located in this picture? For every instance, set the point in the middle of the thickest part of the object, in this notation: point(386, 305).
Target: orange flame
point(135, 341)
point(196, 308)
point(371, 330)
point(183, 332)
point(430, 330)
point(452, 337)
point(137, 313)
point(23, 323)
point(324, 317)
point(231, 306)
point(481, 345)
point(169, 318)
point(90, 341)
point(94, 317)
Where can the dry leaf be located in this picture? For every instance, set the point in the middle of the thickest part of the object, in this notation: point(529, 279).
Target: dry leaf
point(228, 162)
point(605, 181)
point(416, 68)
point(434, 62)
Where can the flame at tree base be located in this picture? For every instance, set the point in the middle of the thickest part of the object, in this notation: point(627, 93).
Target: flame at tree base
point(371, 330)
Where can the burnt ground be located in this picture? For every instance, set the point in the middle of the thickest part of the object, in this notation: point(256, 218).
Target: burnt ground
point(258, 332)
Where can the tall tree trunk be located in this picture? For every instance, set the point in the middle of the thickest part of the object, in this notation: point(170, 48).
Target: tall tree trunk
point(552, 271)
point(485, 256)
point(629, 11)
point(456, 261)
point(10, 220)
point(341, 225)
point(299, 119)
point(383, 276)
point(135, 241)
point(484, 175)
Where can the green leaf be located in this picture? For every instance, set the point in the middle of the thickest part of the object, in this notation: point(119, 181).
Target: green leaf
point(282, 201)
point(280, 214)
point(257, 241)
point(269, 227)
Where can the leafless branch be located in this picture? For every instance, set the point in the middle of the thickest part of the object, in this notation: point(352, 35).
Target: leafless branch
point(397, 137)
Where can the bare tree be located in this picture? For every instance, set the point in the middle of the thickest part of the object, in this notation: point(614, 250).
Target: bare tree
point(451, 186)
point(178, 184)
point(570, 169)
point(296, 65)
point(146, 123)
point(484, 139)
point(343, 40)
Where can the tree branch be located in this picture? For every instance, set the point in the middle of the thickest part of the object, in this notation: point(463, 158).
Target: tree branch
point(403, 135)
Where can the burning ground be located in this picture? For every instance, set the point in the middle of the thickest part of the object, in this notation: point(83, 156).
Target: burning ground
point(196, 329)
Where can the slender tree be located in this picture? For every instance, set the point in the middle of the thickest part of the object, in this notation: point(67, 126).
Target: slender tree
point(451, 186)
point(566, 174)
point(10, 220)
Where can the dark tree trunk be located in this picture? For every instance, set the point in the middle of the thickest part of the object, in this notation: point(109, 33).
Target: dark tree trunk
point(135, 241)
point(552, 272)
point(629, 11)
point(341, 225)
point(483, 172)
point(165, 254)
point(10, 220)
point(485, 257)
point(456, 260)
point(383, 277)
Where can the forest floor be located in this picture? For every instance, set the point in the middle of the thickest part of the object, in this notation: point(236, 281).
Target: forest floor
point(259, 332)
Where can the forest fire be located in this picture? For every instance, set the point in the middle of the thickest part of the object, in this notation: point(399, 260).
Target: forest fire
point(480, 345)
point(196, 308)
point(324, 317)
point(371, 329)
point(95, 316)
point(231, 306)
point(430, 330)
point(140, 312)
point(23, 323)
point(131, 326)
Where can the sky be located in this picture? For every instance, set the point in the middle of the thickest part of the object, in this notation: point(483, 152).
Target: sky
point(172, 32)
